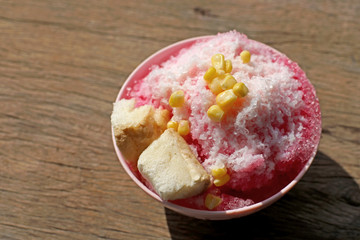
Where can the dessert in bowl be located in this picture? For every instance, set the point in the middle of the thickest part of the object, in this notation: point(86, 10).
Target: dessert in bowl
point(216, 127)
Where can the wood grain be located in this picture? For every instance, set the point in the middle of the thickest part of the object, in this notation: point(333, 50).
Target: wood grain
point(62, 64)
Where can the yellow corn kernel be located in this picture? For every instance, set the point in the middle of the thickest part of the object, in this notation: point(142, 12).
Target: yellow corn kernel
point(177, 99)
point(218, 172)
point(218, 61)
point(210, 74)
point(226, 99)
point(240, 89)
point(221, 180)
point(184, 127)
point(245, 56)
point(228, 66)
point(215, 86)
point(212, 201)
point(173, 124)
point(228, 82)
point(215, 113)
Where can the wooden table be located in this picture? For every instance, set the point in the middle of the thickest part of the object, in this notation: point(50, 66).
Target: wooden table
point(62, 64)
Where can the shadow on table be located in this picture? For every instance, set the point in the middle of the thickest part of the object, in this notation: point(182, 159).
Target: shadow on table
point(325, 204)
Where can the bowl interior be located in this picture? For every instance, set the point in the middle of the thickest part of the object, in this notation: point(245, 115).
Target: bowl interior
point(140, 72)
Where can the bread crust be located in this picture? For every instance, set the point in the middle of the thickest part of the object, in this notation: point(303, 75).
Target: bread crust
point(136, 128)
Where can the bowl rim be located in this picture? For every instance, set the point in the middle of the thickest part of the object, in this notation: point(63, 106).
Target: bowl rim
point(201, 214)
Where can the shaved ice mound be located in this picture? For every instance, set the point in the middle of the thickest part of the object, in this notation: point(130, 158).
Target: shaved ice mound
point(266, 138)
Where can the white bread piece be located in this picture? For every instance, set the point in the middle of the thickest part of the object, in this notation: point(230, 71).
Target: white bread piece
point(172, 169)
point(135, 128)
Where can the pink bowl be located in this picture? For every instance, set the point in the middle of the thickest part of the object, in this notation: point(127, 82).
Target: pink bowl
point(140, 72)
